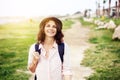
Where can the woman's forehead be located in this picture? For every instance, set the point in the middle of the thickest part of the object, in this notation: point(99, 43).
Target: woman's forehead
point(50, 22)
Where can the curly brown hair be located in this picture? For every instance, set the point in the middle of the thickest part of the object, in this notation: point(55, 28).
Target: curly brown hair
point(59, 35)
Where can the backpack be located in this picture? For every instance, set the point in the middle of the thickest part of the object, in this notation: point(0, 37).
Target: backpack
point(60, 50)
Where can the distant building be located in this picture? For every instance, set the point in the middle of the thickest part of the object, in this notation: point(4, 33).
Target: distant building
point(114, 11)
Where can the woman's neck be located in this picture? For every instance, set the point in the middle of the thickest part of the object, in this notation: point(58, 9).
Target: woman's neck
point(49, 41)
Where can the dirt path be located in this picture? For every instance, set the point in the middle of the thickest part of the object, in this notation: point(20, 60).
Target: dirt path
point(77, 37)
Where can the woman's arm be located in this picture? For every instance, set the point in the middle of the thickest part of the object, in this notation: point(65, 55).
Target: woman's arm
point(33, 65)
point(67, 71)
point(33, 58)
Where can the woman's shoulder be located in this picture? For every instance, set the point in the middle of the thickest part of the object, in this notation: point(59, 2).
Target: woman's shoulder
point(32, 45)
point(65, 44)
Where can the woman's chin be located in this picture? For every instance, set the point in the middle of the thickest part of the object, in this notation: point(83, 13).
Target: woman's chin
point(50, 36)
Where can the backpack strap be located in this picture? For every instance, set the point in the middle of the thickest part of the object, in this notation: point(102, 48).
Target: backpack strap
point(39, 51)
point(61, 51)
point(37, 48)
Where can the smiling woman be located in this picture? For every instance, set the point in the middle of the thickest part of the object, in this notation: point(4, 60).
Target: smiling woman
point(46, 62)
point(50, 29)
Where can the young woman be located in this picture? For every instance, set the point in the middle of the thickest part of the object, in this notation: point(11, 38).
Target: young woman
point(47, 65)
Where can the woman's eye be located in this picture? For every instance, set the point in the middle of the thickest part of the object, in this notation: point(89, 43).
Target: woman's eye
point(47, 25)
point(54, 26)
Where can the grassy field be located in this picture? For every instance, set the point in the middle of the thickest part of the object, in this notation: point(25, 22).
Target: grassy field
point(104, 56)
point(15, 40)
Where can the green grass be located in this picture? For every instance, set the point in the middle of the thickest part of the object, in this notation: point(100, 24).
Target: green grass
point(117, 21)
point(67, 24)
point(103, 56)
point(15, 40)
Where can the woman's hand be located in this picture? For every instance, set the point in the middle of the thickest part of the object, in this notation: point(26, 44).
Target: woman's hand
point(36, 58)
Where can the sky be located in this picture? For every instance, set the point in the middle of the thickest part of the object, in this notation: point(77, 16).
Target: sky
point(44, 7)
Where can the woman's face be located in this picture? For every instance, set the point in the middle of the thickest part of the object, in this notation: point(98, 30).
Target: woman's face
point(50, 29)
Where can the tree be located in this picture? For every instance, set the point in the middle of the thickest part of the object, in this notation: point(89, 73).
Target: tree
point(104, 1)
point(109, 7)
